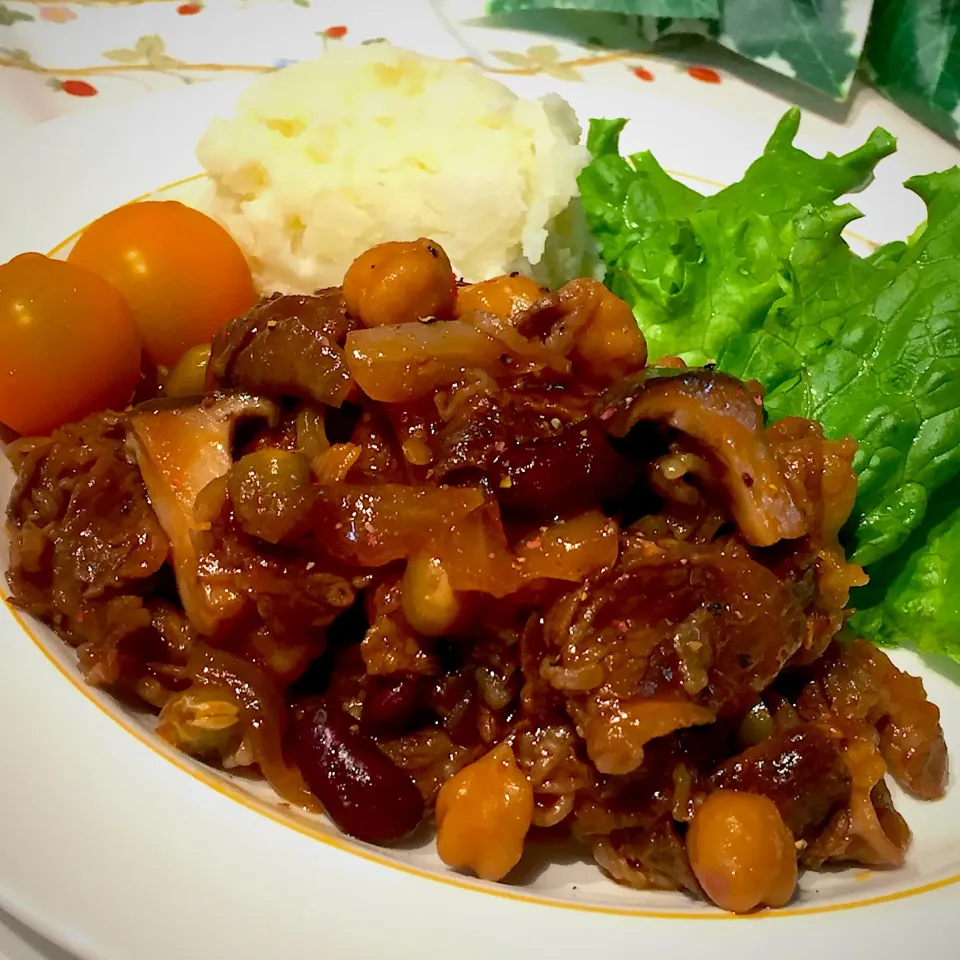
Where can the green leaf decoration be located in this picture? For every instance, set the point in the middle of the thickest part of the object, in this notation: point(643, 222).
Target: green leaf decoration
point(122, 56)
point(150, 50)
point(9, 17)
point(913, 56)
point(707, 9)
point(18, 57)
point(809, 40)
point(817, 42)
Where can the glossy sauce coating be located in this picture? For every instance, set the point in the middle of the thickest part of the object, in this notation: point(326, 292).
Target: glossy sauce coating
point(421, 545)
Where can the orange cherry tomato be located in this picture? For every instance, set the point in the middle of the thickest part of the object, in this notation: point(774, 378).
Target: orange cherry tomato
point(181, 272)
point(68, 344)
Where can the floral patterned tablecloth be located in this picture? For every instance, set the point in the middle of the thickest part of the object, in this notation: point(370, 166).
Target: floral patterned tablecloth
point(58, 56)
point(62, 56)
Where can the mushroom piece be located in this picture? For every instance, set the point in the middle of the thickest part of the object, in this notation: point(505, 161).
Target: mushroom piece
point(726, 419)
point(181, 448)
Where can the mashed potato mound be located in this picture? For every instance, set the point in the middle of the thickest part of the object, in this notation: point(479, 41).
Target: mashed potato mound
point(328, 157)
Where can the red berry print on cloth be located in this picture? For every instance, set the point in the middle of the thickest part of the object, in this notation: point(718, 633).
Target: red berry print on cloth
point(335, 33)
point(78, 88)
point(642, 73)
point(189, 9)
point(704, 74)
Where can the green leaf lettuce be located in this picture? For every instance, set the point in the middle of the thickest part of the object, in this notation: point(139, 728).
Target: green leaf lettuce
point(914, 594)
point(698, 270)
point(758, 278)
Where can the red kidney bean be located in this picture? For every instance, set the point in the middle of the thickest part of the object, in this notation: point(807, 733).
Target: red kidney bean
point(575, 469)
point(392, 704)
point(362, 791)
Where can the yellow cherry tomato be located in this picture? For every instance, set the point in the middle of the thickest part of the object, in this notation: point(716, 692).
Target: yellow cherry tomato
point(181, 272)
point(68, 344)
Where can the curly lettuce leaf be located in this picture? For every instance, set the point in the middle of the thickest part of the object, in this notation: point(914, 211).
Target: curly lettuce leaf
point(871, 347)
point(699, 270)
point(913, 598)
point(759, 278)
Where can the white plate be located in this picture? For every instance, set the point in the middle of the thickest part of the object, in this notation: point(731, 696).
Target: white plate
point(121, 849)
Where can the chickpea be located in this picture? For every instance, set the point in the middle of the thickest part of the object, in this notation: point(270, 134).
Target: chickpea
point(742, 852)
point(400, 283)
point(202, 723)
point(188, 378)
point(505, 296)
point(429, 602)
point(483, 815)
point(610, 345)
point(270, 491)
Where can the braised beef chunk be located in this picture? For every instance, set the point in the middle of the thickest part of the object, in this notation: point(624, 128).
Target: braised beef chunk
point(673, 636)
point(857, 683)
point(650, 859)
point(82, 527)
point(85, 544)
point(286, 346)
point(477, 430)
point(486, 563)
point(801, 770)
point(575, 469)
